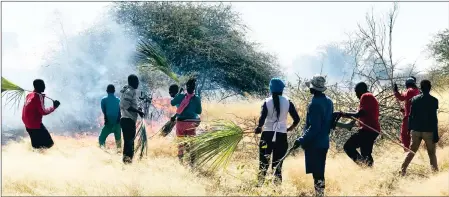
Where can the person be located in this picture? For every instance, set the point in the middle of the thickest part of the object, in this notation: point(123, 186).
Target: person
point(423, 123)
point(273, 126)
point(32, 113)
point(173, 90)
point(129, 112)
point(365, 137)
point(412, 90)
point(110, 106)
point(187, 117)
point(315, 138)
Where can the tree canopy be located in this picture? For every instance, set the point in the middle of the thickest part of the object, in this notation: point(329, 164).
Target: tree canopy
point(439, 48)
point(207, 40)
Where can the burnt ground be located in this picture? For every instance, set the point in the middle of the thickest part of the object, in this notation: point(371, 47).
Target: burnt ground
point(9, 135)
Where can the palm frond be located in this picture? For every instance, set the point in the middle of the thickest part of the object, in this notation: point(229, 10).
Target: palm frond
point(13, 93)
point(217, 146)
point(9, 86)
point(167, 128)
point(148, 55)
point(142, 144)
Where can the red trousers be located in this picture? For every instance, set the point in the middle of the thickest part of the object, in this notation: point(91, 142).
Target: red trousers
point(405, 133)
point(185, 129)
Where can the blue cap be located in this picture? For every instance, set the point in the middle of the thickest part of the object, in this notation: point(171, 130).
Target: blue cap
point(276, 85)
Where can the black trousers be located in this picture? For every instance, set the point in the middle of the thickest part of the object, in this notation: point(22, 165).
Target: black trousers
point(363, 139)
point(268, 147)
point(40, 138)
point(129, 132)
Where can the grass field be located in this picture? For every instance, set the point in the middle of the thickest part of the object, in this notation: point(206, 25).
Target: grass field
point(76, 166)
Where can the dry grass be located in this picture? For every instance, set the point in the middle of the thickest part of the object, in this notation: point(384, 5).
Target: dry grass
point(76, 166)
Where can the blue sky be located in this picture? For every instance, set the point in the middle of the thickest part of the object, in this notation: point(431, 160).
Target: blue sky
point(295, 32)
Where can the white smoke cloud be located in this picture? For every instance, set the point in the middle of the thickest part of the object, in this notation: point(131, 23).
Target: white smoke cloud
point(76, 64)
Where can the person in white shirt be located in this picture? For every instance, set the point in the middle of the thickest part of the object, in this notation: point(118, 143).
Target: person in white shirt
point(273, 126)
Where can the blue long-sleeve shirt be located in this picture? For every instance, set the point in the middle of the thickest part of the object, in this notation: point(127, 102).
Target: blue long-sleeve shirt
point(318, 123)
point(110, 106)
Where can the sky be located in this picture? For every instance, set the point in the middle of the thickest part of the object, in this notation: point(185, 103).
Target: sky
point(294, 31)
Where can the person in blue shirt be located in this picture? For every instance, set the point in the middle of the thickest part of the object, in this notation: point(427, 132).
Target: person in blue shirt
point(110, 106)
point(315, 138)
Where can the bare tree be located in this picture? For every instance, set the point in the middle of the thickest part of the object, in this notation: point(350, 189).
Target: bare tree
point(372, 49)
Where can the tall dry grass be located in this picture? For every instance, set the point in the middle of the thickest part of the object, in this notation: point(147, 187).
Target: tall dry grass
point(76, 166)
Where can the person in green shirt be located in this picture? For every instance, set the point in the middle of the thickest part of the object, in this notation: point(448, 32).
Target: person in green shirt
point(187, 116)
point(110, 106)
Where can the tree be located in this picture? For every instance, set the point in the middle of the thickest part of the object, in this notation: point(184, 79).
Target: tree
point(372, 51)
point(207, 40)
point(439, 48)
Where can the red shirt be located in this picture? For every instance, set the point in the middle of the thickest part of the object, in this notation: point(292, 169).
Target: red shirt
point(370, 106)
point(34, 110)
point(407, 97)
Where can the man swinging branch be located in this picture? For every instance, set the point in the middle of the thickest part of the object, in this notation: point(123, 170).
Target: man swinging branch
point(33, 111)
point(365, 137)
point(187, 117)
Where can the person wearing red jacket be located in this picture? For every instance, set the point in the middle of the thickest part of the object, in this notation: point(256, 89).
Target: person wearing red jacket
point(412, 91)
point(33, 111)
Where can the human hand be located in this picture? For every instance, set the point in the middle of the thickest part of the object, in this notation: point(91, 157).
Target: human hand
point(436, 138)
point(395, 88)
point(258, 130)
point(343, 114)
point(173, 118)
point(141, 114)
point(56, 104)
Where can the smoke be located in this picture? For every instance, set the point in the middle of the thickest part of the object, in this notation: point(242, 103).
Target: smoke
point(76, 69)
point(330, 60)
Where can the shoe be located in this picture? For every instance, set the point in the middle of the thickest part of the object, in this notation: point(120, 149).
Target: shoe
point(127, 160)
point(402, 173)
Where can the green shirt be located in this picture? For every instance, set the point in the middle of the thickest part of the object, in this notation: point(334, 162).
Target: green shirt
point(192, 111)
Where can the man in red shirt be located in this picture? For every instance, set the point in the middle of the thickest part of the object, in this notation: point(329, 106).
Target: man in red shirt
point(364, 138)
point(412, 91)
point(33, 111)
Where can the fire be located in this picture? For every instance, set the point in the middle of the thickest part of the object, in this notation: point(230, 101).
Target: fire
point(152, 126)
point(163, 104)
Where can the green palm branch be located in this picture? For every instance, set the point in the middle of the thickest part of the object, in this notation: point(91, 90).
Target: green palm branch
point(148, 55)
point(13, 93)
point(216, 147)
point(142, 144)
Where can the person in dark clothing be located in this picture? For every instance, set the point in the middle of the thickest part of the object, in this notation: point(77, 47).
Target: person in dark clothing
point(365, 137)
point(32, 113)
point(423, 123)
point(129, 112)
point(273, 122)
point(315, 138)
point(173, 90)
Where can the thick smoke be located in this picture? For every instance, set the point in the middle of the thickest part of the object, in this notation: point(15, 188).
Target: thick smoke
point(330, 60)
point(76, 74)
